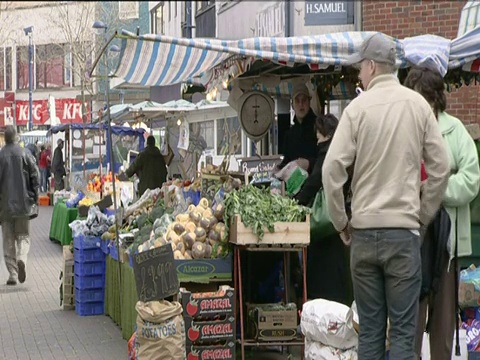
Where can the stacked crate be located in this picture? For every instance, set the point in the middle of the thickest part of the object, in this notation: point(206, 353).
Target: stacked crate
point(209, 323)
point(68, 289)
point(89, 279)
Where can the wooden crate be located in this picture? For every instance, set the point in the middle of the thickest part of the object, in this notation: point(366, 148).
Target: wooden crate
point(293, 233)
point(68, 286)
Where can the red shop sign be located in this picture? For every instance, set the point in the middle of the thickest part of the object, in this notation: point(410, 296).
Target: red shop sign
point(67, 111)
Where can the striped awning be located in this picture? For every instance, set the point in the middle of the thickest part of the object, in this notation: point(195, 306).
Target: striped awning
point(469, 17)
point(158, 60)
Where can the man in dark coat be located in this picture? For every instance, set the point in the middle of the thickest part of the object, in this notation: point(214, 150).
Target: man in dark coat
point(19, 183)
point(300, 139)
point(58, 166)
point(150, 167)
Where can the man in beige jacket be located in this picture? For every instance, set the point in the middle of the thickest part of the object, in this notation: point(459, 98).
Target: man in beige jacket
point(385, 133)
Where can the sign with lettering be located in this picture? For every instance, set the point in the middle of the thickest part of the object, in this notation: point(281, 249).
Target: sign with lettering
point(67, 111)
point(329, 12)
point(261, 169)
point(155, 274)
point(270, 22)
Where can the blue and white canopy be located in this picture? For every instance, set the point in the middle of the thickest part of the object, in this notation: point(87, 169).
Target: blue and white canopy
point(157, 60)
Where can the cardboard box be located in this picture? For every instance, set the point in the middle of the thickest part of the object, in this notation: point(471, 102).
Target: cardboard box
point(271, 325)
point(224, 351)
point(206, 331)
point(204, 270)
point(208, 305)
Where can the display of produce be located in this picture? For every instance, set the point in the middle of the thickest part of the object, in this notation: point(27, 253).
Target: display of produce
point(259, 209)
point(198, 233)
point(96, 181)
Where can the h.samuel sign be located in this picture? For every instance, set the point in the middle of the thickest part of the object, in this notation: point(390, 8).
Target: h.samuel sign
point(328, 12)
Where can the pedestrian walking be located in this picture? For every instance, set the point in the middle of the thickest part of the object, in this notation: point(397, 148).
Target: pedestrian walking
point(384, 133)
point(19, 182)
point(463, 185)
point(43, 166)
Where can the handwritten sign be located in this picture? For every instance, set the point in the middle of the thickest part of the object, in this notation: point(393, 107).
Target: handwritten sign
point(155, 274)
point(257, 165)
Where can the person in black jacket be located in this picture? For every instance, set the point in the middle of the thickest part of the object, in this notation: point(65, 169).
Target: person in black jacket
point(327, 255)
point(58, 166)
point(150, 167)
point(19, 183)
point(300, 141)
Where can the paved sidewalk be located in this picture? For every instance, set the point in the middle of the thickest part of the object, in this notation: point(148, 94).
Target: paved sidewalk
point(32, 324)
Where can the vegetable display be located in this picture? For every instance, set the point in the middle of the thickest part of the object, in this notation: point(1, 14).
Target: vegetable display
point(196, 234)
point(259, 209)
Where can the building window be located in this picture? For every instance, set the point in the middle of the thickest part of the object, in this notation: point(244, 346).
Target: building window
point(176, 7)
point(22, 67)
point(158, 21)
point(128, 10)
point(204, 132)
point(50, 66)
point(229, 136)
point(6, 68)
point(202, 5)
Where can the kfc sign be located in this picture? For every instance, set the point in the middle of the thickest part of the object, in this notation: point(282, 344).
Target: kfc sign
point(67, 110)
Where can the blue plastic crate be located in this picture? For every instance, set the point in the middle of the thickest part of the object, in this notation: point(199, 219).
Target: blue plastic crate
point(91, 295)
point(88, 255)
point(113, 250)
point(89, 282)
point(104, 246)
point(87, 269)
point(89, 308)
point(86, 242)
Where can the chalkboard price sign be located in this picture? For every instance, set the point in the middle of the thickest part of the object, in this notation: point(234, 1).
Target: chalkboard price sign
point(155, 274)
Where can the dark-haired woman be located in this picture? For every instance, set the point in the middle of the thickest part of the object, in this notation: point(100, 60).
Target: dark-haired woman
point(328, 274)
point(463, 185)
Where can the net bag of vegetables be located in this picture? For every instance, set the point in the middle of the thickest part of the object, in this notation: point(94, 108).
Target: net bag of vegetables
point(160, 330)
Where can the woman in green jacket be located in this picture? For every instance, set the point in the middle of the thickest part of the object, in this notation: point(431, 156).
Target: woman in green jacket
point(463, 186)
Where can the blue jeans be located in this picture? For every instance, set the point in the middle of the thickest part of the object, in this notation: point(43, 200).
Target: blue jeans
point(386, 276)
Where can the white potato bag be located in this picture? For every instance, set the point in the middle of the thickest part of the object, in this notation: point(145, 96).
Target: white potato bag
point(317, 351)
point(329, 323)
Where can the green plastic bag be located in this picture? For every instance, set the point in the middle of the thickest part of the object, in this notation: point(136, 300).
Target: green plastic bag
point(295, 181)
point(320, 225)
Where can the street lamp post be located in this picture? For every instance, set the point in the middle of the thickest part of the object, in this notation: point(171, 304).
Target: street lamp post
point(99, 25)
point(29, 32)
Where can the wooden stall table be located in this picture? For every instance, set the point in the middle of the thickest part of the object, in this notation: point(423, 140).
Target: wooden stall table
point(61, 218)
point(287, 238)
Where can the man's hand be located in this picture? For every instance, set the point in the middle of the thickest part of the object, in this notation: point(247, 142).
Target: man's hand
point(346, 236)
point(303, 163)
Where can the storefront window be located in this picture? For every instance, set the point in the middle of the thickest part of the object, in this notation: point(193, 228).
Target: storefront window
point(204, 133)
point(229, 136)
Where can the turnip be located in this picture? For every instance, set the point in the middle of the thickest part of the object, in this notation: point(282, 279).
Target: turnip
point(198, 250)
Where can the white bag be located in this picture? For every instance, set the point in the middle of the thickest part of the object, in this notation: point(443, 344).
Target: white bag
point(317, 351)
point(329, 323)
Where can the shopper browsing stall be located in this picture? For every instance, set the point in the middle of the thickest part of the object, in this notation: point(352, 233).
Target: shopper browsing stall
point(326, 254)
point(58, 166)
point(463, 185)
point(150, 167)
point(385, 131)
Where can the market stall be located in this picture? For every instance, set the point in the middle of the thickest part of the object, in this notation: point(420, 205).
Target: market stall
point(244, 66)
point(87, 163)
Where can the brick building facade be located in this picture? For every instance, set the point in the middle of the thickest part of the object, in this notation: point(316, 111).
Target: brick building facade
point(402, 19)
